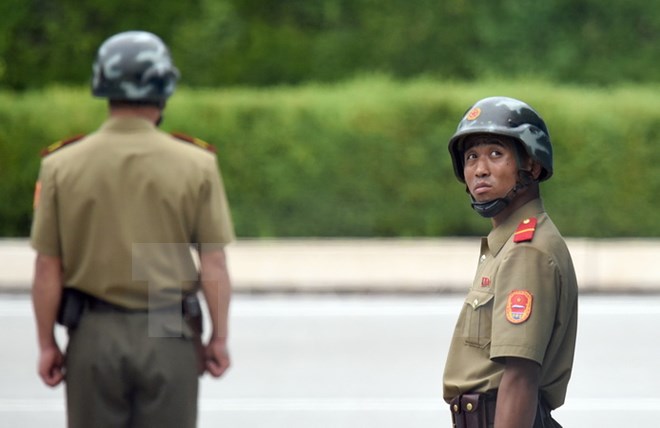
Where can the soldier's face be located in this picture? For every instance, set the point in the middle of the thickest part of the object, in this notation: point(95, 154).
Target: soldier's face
point(490, 167)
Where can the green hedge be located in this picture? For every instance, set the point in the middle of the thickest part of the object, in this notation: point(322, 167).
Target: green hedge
point(262, 43)
point(368, 157)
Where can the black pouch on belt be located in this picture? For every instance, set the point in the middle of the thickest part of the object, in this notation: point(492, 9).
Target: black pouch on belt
point(71, 307)
point(470, 411)
point(474, 410)
point(456, 413)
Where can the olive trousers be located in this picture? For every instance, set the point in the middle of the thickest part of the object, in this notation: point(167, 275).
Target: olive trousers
point(131, 370)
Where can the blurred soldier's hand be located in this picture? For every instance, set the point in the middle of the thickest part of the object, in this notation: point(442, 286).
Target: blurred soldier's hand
point(51, 365)
point(217, 356)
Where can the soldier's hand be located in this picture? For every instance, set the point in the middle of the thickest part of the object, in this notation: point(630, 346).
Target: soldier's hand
point(217, 356)
point(51, 365)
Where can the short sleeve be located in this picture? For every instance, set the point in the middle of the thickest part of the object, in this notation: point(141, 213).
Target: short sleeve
point(524, 329)
point(45, 236)
point(214, 227)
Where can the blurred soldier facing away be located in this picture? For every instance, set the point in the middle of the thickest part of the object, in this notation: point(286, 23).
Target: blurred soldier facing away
point(511, 355)
point(116, 215)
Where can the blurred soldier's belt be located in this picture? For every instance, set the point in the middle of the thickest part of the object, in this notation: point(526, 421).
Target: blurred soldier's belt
point(97, 305)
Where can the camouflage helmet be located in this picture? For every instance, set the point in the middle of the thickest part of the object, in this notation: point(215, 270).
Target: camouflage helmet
point(134, 66)
point(508, 117)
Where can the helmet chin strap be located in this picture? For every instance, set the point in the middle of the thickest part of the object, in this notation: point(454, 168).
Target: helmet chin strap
point(495, 206)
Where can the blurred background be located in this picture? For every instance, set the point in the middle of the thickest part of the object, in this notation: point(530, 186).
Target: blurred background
point(331, 117)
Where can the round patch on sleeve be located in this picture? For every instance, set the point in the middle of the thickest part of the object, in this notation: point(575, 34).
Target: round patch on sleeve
point(519, 306)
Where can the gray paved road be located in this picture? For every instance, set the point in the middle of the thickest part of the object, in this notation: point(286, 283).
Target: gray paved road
point(364, 361)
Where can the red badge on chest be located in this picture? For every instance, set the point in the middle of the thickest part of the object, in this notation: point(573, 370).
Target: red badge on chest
point(518, 306)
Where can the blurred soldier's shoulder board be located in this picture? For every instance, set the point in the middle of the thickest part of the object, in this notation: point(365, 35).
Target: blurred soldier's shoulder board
point(60, 144)
point(195, 141)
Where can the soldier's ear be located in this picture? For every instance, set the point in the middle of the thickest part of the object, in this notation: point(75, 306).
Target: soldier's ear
point(536, 170)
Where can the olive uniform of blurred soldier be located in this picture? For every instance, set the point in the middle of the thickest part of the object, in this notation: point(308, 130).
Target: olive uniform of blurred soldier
point(511, 356)
point(116, 216)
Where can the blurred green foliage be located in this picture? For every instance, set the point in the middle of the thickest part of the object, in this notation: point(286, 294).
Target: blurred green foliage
point(264, 42)
point(368, 156)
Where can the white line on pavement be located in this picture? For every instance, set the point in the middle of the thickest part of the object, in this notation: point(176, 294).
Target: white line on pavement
point(343, 404)
point(365, 307)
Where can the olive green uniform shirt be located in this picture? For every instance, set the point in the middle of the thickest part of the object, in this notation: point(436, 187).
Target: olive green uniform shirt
point(484, 335)
point(121, 208)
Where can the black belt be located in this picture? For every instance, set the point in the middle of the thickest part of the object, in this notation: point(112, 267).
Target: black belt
point(98, 305)
point(478, 411)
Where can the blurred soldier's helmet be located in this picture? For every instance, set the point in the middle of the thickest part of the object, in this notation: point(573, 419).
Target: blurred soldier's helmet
point(507, 117)
point(134, 66)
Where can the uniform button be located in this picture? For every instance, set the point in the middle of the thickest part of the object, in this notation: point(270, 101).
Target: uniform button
point(468, 407)
point(475, 303)
point(482, 258)
point(455, 408)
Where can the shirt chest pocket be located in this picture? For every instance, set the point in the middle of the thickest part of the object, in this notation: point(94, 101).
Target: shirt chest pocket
point(478, 318)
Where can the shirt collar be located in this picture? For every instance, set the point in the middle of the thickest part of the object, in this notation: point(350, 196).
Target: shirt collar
point(501, 234)
point(127, 124)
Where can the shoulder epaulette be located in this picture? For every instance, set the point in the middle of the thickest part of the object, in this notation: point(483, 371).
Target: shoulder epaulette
point(525, 230)
point(59, 144)
point(192, 140)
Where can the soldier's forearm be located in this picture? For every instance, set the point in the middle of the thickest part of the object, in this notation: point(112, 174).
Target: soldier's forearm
point(518, 394)
point(216, 287)
point(46, 296)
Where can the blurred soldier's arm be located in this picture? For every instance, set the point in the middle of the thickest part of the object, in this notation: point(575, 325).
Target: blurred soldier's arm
point(216, 287)
point(46, 296)
point(517, 395)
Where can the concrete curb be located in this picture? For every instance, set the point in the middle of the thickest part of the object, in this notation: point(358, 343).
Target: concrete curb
point(386, 265)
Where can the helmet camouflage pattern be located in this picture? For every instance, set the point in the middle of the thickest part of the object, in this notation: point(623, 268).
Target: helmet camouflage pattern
point(507, 117)
point(134, 66)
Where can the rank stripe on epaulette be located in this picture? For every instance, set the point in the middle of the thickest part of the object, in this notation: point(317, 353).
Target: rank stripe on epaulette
point(196, 141)
point(525, 230)
point(59, 144)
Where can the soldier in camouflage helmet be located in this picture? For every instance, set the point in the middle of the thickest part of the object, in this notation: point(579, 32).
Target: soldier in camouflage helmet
point(511, 356)
point(136, 66)
point(504, 117)
point(116, 215)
